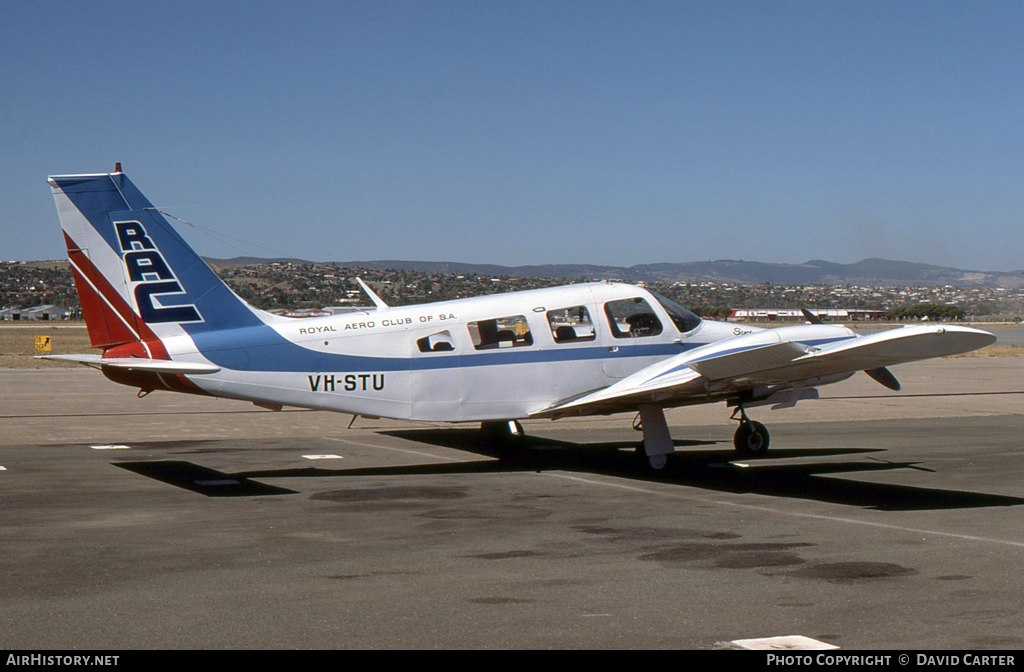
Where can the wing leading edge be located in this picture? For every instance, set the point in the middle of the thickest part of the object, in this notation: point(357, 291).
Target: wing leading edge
point(772, 360)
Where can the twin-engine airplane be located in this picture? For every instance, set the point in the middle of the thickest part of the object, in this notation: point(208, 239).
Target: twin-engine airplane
point(165, 321)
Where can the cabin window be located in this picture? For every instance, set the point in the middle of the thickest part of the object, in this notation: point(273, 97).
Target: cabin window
point(569, 325)
point(439, 342)
point(683, 319)
point(501, 332)
point(632, 318)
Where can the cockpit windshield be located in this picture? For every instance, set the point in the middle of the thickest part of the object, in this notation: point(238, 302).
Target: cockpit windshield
point(683, 319)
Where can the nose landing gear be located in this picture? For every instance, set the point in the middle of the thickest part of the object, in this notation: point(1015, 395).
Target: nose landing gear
point(657, 443)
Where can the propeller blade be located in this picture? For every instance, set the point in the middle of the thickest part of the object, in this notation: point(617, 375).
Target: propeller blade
point(885, 377)
point(810, 317)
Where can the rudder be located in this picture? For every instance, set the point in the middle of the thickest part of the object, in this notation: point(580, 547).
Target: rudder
point(137, 279)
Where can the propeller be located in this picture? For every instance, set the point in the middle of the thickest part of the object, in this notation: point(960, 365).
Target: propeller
point(885, 377)
point(810, 317)
point(881, 374)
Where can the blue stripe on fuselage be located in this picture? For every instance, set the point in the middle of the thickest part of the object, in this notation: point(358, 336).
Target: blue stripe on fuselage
point(263, 349)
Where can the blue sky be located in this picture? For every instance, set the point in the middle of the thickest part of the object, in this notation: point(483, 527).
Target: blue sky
point(530, 132)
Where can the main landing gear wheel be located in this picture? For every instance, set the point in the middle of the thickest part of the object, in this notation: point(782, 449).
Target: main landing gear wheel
point(657, 442)
point(751, 438)
point(655, 462)
point(503, 432)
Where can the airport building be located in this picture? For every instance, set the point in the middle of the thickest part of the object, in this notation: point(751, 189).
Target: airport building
point(794, 315)
point(44, 313)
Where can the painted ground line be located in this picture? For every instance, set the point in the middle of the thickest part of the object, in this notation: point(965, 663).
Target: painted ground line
point(784, 643)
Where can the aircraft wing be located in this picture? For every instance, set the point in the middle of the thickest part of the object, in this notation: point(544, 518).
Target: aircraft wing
point(137, 363)
point(770, 361)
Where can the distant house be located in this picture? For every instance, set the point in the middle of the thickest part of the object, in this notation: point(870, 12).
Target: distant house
point(341, 310)
point(794, 315)
point(45, 313)
point(300, 312)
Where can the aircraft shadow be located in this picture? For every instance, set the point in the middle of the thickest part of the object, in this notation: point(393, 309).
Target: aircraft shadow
point(707, 469)
point(200, 479)
point(721, 470)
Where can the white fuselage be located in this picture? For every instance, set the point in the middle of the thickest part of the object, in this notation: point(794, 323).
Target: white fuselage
point(485, 358)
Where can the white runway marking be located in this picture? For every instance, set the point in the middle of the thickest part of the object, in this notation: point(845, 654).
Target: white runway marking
point(323, 457)
point(115, 446)
point(788, 643)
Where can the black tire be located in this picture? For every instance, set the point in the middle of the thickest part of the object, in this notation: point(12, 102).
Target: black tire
point(751, 438)
point(501, 433)
point(644, 461)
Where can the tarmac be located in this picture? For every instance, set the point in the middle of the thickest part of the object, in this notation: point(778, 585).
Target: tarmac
point(878, 520)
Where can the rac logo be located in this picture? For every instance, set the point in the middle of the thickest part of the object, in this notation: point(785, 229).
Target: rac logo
point(150, 277)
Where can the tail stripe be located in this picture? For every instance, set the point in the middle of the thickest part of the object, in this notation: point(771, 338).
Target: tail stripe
point(108, 324)
point(165, 284)
point(111, 321)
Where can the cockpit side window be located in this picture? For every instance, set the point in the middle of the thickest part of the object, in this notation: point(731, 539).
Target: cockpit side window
point(569, 325)
point(632, 318)
point(439, 342)
point(683, 319)
point(501, 332)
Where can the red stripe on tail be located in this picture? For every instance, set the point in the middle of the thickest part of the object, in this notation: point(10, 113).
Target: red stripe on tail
point(108, 317)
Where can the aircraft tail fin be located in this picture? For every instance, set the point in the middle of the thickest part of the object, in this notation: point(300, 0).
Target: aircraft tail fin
point(137, 279)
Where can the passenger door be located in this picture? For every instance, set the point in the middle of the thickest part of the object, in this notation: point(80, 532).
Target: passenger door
point(634, 336)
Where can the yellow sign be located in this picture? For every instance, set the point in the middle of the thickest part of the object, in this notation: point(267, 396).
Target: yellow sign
point(42, 344)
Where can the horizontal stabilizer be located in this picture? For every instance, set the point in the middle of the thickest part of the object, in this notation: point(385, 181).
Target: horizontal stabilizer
point(137, 364)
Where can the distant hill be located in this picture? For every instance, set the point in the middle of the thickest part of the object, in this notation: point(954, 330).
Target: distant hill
point(871, 272)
